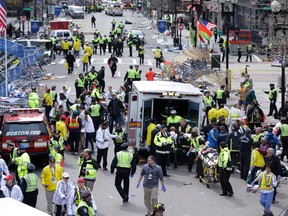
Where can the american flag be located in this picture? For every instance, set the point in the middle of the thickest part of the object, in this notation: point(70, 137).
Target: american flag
point(3, 17)
point(208, 25)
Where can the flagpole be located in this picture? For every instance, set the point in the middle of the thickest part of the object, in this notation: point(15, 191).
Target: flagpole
point(6, 69)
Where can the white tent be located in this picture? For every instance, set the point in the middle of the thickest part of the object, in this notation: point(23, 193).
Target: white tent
point(13, 207)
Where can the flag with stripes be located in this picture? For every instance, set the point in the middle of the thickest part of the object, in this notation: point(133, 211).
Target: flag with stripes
point(208, 25)
point(3, 17)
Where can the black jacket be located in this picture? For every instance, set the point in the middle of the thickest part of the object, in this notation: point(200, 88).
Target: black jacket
point(245, 143)
point(70, 59)
point(275, 164)
point(115, 107)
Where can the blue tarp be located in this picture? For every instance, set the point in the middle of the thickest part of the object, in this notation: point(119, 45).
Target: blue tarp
point(12, 48)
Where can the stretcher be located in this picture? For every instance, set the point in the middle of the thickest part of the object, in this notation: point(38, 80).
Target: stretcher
point(210, 171)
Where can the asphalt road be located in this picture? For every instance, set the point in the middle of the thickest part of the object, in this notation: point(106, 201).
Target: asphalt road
point(185, 195)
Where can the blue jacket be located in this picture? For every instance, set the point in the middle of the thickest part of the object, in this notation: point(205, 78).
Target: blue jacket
point(212, 138)
point(273, 139)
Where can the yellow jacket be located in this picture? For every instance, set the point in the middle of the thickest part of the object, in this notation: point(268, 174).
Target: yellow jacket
point(77, 45)
point(223, 112)
point(65, 45)
point(61, 126)
point(85, 58)
point(213, 113)
point(257, 159)
point(150, 128)
point(88, 50)
point(47, 175)
point(48, 99)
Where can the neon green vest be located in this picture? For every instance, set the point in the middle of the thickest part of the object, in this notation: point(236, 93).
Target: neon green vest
point(219, 94)
point(32, 182)
point(284, 130)
point(131, 74)
point(90, 208)
point(95, 110)
point(207, 101)
point(80, 83)
point(195, 143)
point(124, 159)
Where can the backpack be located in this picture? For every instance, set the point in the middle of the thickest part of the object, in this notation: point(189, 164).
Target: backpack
point(256, 118)
point(271, 141)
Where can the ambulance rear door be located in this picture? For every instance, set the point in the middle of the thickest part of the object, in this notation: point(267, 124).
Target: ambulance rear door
point(194, 113)
point(134, 121)
point(146, 115)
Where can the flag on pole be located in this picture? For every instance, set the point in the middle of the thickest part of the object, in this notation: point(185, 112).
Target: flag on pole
point(208, 25)
point(192, 42)
point(203, 31)
point(3, 17)
point(201, 39)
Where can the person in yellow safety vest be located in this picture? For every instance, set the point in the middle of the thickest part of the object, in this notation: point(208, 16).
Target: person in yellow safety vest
point(51, 175)
point(95, 42)
point(79, 84)
point(121, 134)
point(53, 93)
point(220, 96)
point(249, 51)
point(33, 99)
point(47, 102)
point(54, 152)
point(173, 120)
point(121, 25)
point(197, 142)
point(184, 132)
point(283, 133)
point(85, 61)
point(57, 141)
point(88, 49)
point(222, 112)
point(96, 94)
point(126, 167)
point(224, 160)
point(53, 43)
point(130, 75)
point(273, 95)
point(21, 161)
point(258, 135)
point(74, 197)
point(76, 47)
point(85, 206)
point(118, 32)
point(29, 186)
point(234, 114)
point(150, 128)
point(113, 22)
point(65, 47)
point(138, 73)
point(109, 40)
point(158, 55)
point(208, 101)
point(213, 113)
point(96, 33)
point(141, 52)
point(102, 45)
point(87, 168)
point(13, 152)
point(92, 74)
point(268, 182)
point(164, 144)
point(225, 50)
point(61, 127)
point(168, 19)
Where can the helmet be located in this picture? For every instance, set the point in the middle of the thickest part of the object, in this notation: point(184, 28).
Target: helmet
point(159, 207)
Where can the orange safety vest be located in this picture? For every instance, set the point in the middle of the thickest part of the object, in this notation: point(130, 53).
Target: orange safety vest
point(73, 123)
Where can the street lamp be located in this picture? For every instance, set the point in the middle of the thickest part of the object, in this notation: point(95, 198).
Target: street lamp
point(276, 8)
point(227, 14)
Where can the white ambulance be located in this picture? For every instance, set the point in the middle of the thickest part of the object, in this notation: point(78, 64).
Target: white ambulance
point(155, 99)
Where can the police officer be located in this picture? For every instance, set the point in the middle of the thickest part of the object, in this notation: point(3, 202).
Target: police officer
point(184, 143)
point(85, 207)
point(164, 143)
point(121, 137)
point(208, 101)
point(220, 96)
point(130, 75)
point(249, 50)
point(138, 73)
point(109, 43)
point(273, 95)
point(95, 42)
point(283, 131)
point(102, 46)
point(130, 46)
point(21, 161)
point(239, 52)
point(53, 44)
point(126, 166)
point(79, 84)
point(13, 151)
point(113, 22)
point(141, 52)
point(57, 141)
point(33, 99)
point(29, 186)
point(158, 55)
point(174, 119)
point(95, 113)
point(225, 170)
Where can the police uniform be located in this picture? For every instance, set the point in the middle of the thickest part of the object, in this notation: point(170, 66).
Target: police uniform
point(284, 140)
point(130, 46)
point(79, 85)
point(88, 170)
point(22, 162)
point(33, 99)
point(158, 56)
point(220, 96)
point(121, 138)
point(130, 76)
point(141, 54)
point(125, 165)
point(85, 207)
point(95, 113)
point(273, 95)
point(249, 50)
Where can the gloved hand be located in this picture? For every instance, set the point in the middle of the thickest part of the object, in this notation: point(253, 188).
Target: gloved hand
point(187, 154)
point(131, 175)
point(138, 185)
point(163, 188)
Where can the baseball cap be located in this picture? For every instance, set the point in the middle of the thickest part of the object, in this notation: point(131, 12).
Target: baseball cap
point(65, 175)
point(65, 87)
point(10, 144)
point(81, 180)
point(8, 177)
point(163, 126)
point(63, 117)
point(85, 194)
point(22, 147)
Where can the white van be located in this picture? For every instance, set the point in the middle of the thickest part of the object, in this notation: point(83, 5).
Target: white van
point(61, 34)
point(77, 12)
point(154, 99)
point(39, 43)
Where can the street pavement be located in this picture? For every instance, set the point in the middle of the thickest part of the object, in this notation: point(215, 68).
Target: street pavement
point(185, 195)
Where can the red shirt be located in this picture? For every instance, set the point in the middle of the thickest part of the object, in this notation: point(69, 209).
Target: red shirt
point(150, 75)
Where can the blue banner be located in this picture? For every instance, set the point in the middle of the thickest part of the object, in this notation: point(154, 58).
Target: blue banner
point(35, 25)
point(12, 48)
point(58, 10)
point(162, 26)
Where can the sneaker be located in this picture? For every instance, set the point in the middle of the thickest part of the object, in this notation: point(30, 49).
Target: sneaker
point(76, 153)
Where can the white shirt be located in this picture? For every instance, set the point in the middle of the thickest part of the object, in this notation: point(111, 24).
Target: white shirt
point(67, 94)
point(102, 138)
point(71, 206)
point(15, 193)
point(2, 182)
point(88, 125)
point(4, 166)
point(61, 192)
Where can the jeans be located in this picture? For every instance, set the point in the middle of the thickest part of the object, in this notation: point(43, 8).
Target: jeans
point(85, 67)
point(113, 119)
point(266, 200)
point(89, 138)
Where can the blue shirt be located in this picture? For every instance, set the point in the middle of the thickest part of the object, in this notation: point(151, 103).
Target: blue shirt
point(212, 138)
point(274, 140)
